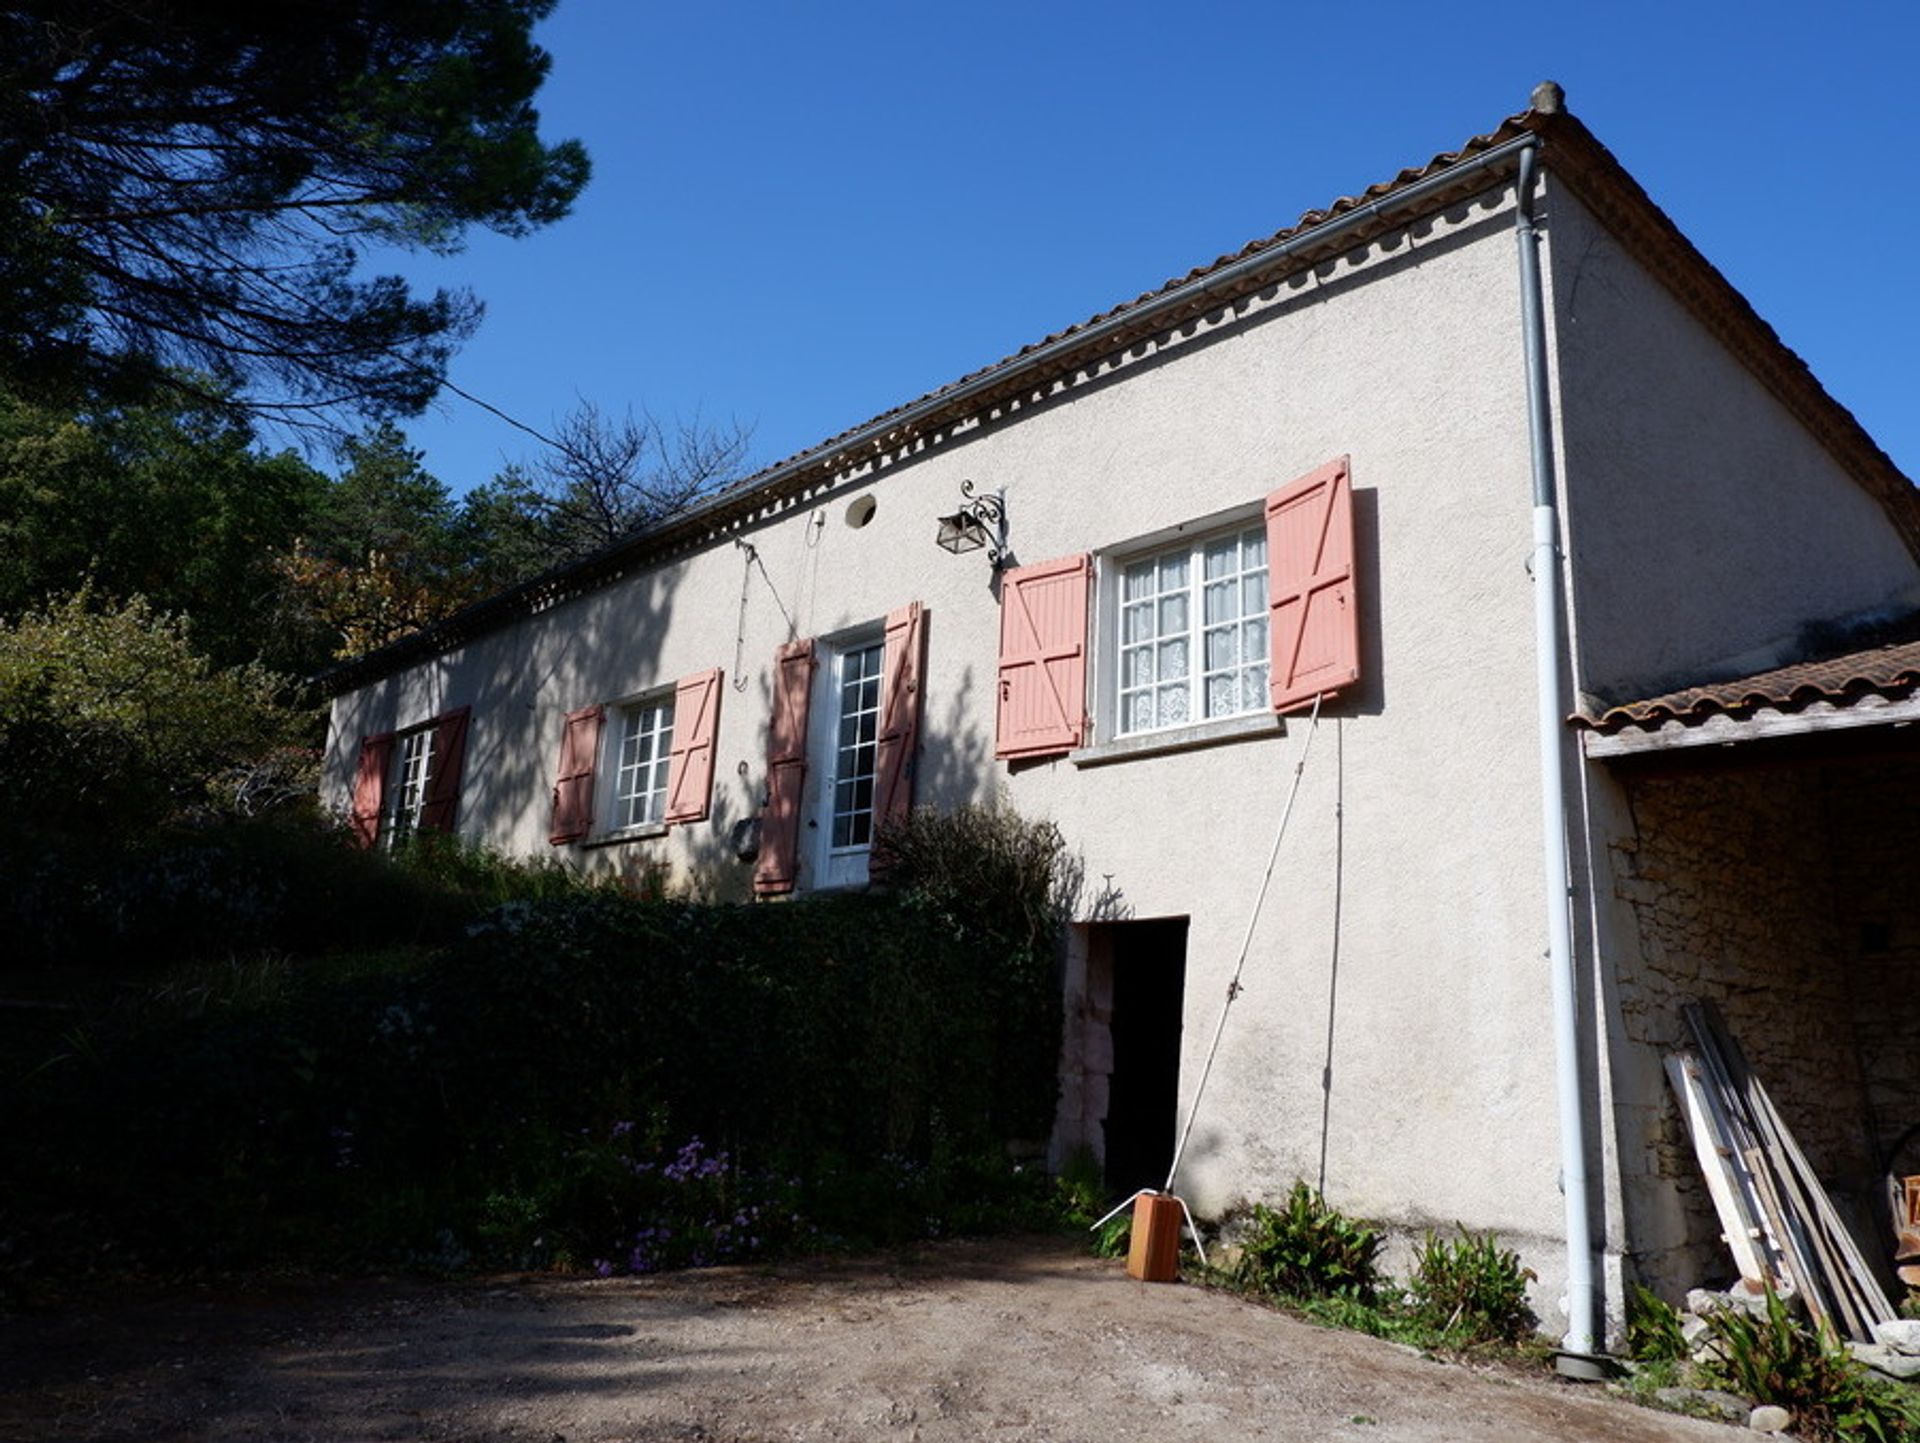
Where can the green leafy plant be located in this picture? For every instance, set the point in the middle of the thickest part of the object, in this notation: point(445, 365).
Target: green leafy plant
point(1772, 1358)
point(1380, 1319)
point(1653, 1328)
point(1079, 1188)
point(1306, 1249)
point(1114, 1237)
point(1080, 1203)
point(1471, 1288)
point(164, 730)
point(1006, 884)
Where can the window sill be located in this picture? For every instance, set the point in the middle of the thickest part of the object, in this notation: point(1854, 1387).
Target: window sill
point(631, 834)
point(1180, 739)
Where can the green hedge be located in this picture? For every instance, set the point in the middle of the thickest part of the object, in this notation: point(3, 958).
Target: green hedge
point(289, 882)
point(522, 1095)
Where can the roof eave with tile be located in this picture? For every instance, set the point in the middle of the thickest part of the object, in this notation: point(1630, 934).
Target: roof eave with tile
point(1570, 152)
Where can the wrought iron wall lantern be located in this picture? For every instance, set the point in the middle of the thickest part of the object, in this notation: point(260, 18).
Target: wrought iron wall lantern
point(980, 521)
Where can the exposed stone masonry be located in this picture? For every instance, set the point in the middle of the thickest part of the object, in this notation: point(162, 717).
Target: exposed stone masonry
point(1790, 896)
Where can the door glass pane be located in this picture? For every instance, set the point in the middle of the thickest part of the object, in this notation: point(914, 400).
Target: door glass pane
point(856, 754)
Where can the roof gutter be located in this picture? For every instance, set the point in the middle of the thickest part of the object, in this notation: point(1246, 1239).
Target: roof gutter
point(1224, 278)
point(769, 484)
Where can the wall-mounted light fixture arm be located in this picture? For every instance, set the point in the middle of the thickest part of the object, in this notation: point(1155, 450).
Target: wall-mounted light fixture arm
point(980, 521)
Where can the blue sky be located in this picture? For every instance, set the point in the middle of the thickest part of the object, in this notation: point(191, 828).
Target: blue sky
point(803, 215)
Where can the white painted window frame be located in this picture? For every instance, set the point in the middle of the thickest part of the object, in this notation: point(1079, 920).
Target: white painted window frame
point(613, 739)
point(1105, 672)
point(841, 866)
point(412, 769)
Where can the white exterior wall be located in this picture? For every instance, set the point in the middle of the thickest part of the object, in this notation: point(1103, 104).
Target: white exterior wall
point(1708, 526)
point(1416, 828)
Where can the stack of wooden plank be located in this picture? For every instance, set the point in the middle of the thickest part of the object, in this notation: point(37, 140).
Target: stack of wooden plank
point(1780, 1222)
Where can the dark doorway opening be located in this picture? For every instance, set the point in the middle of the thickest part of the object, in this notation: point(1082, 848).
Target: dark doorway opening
point(1148, 970)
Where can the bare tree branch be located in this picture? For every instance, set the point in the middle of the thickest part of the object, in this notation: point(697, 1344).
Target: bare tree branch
point(605, 475)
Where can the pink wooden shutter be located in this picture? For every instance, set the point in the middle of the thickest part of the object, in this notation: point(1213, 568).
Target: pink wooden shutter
point(779, 864)
point(370, 787)
point(1315, 617)
point(573, 784)
point(696, 723)
point(1043, 658)
point(899, 713)
point(449, 760)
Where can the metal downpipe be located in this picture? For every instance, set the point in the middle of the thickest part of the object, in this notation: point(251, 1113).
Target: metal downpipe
point(1579, 1338)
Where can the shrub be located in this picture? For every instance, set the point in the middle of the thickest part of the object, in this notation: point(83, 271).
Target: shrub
point(288, 882)
point(1773, 1359)
point(691, 1207)
point(1653, 1328)
point(1471, 1288)
point(994, 880)
point(1307, 1249)
point(982, 871)
point(162, 730)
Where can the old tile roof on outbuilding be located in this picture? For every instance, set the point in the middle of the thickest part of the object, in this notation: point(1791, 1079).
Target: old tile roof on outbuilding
point(1889, 673)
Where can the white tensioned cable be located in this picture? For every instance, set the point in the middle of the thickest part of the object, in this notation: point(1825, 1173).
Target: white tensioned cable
point(1233, 987)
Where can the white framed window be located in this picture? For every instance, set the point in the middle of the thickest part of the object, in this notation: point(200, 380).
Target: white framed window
point(1187, 639)
point(641, 739)
point(412, 765)
point(848, 755)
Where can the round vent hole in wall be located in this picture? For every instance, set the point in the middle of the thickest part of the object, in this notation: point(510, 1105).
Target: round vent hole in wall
point(860, 511)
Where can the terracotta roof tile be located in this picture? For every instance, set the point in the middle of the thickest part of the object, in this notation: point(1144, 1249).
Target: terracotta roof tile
point(1507, 129)
point(1890, 671)
point(1572, 152)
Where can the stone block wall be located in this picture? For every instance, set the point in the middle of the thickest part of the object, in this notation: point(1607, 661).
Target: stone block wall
point(1874, 824)
point(1730, 879)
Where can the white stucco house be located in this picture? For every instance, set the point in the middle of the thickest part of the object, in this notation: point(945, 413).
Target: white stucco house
point(1485, 463)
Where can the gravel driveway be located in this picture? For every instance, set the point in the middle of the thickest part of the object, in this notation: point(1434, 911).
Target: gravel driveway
point(1002, 1340)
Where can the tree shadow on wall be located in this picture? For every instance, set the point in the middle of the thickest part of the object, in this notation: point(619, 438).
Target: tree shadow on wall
point(522, 679)
point(952, 765)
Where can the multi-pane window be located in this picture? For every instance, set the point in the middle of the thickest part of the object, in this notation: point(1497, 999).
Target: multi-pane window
point(645, 744)
point(1193, 633)
point(857, 690)
point(412, 765)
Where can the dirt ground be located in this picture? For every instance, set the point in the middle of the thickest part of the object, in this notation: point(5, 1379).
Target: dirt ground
point(1014, 1341)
